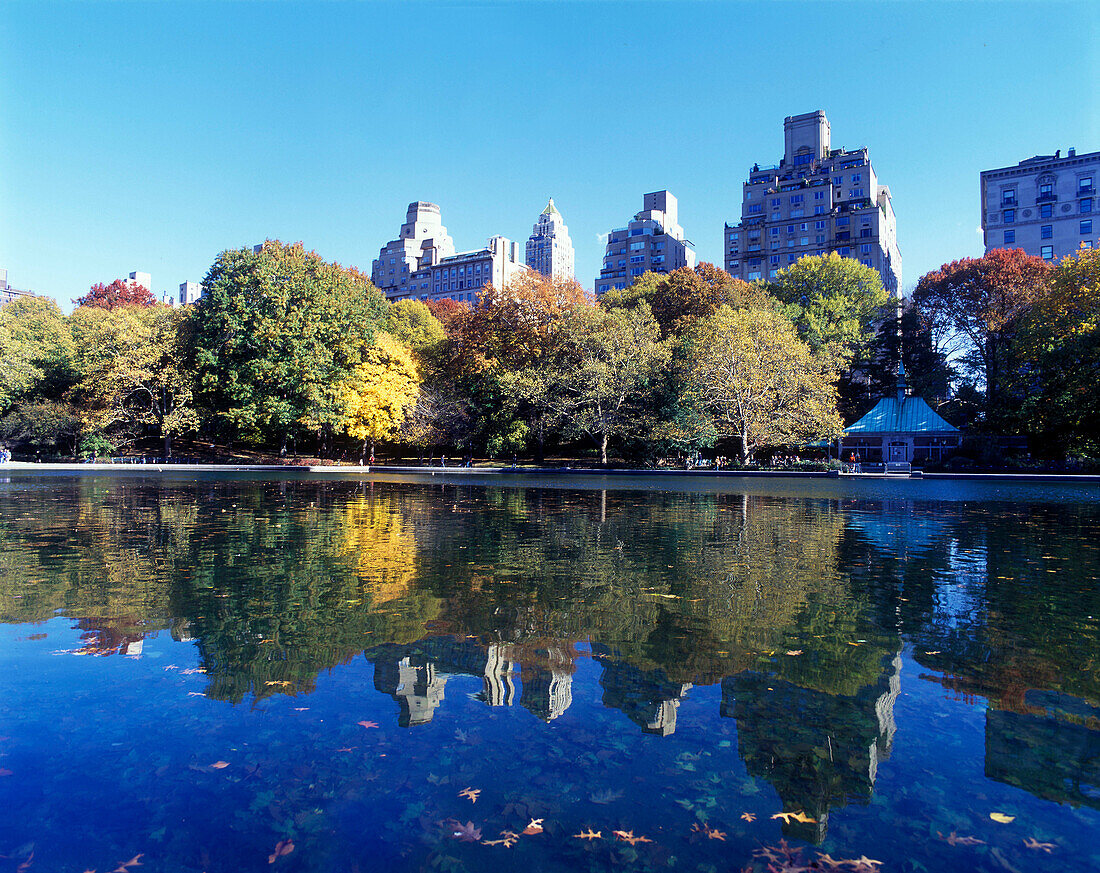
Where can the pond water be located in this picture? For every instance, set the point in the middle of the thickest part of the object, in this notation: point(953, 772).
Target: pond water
point(297, 674)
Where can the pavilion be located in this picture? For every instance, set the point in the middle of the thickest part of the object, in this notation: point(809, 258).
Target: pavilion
point(900, 429)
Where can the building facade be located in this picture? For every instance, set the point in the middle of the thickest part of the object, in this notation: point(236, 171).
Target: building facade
point(422, 242)
point(653, 242)
point(549, 249)
point(1043, 205)
point(7, 293)
point(816, 200)
point(422, 265)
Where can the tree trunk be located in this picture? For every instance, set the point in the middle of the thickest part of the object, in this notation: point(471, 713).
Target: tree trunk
point(744, 440)
point(603, 450)
point(167, 446)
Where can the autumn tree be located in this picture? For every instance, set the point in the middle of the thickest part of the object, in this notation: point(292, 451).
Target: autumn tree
point(411, 323)
point(974, 307)
point(132, 379)
point(121, 292)
point(687, 293)
point(834, 303)
point(276, 331)
point(374, 396)
point(36, 351)
point(761, 382)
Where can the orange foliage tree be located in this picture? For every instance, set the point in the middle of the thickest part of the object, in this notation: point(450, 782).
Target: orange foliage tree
point(121, 292)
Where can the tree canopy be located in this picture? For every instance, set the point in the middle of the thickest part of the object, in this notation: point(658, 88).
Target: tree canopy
point(121, 292)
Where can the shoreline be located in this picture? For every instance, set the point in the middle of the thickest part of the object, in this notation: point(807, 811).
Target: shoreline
point(31, 468)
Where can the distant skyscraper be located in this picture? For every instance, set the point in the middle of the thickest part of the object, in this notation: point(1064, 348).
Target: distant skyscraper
point(652, 241)
point(819, 199)
point(549, 249)
point(423, 242)
point(1043, 205)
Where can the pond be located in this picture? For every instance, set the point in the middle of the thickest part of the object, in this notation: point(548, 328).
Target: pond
point(233, 673)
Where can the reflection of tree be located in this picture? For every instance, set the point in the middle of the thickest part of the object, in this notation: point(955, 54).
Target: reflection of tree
point(819, 750)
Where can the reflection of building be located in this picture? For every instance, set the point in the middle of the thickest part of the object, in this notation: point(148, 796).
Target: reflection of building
point(819, 199)
point(646, 697)
point(1055, 756)
point(900, 429)
point(1043, 205)
point(415, 676)
point(547, 692)
point(818, 750)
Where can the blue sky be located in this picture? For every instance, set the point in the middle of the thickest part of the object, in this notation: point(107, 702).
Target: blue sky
point(153, 136)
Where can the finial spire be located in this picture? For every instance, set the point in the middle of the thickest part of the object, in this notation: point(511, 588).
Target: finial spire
point(551, 209)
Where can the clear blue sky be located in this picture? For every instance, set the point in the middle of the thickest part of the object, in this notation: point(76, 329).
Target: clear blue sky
point(153, 136)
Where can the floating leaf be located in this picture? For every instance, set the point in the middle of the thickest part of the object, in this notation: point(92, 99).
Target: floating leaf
point(748, 816)
point(283, 847)
point(535, 827)
point(628, 837)
point(367, 724)
point(1033, 843)
point(1002, 818)
point(471, 793)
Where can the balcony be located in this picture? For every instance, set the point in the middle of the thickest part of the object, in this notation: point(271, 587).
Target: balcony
point(1046, 198)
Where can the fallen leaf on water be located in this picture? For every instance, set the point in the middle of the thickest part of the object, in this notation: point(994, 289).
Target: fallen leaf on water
point(953, 839)
point(711, 833)
point(797, 816)
point(864, 861)
point(589, 835)
point(368, 724)
point(283, 847)
point(25, 865)
point(279, 684)
point(220, 765)
point(507, 839)
point(534, 827)
point(465, 833)
point(1033, 843)
point(628, 837)
point(937, 652)
point(794, 651)
point(1001, 817)
point(471, 793)
point(4, 771)
point(802, 817)
point(301, 709)
point(124, 866)
point(191, 670)
point(195, 694)
point(748, 816)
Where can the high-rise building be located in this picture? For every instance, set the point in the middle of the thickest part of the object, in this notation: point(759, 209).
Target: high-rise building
point(7, 293)
point(422, 264)
point(422, 242)
point(144, 280)
point(190, 292)
point(1043, 205)
point(817, 200)
point(653, 241)
point(549, 249)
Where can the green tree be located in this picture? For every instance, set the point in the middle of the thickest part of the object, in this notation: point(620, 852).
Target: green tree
point(834, 303)
point(375, 395)
point(607, 364)
point(276, 331)
point(36, 351)
point(412, 324)
point(1059, 347)
point(761, 382)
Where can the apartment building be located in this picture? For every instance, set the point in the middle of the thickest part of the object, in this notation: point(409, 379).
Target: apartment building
point(1043, 205)
point(817, 199)
point(653, 241)
point(549, 248)
point(7, 293)
point(421, 264)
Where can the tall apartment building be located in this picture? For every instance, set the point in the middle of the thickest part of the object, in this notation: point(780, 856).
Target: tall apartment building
point(1043, 205)
point(422, 265)
point(549, 249)
point(653, 241)
point(422, 242)
point(816, 200)
point(190, 292)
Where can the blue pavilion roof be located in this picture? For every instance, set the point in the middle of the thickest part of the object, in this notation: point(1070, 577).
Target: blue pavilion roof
point(909, 415)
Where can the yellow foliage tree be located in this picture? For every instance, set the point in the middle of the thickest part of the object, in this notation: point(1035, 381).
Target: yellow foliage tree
point(375, 395)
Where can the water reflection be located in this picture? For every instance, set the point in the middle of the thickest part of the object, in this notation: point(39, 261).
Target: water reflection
point(798, 610)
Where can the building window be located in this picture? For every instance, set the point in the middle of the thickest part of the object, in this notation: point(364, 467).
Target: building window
point(1084, 185)
point(1010, 216)
point(1008, 197)
point(1086, 243)
point(754, 208)
point(1047, 253)
point(1046, 210)
point(775, 201)
point(1086, 206)
point(819, 225)
point(1046, 189)
point(775, 259)
point(1010, 237)
point(1046, 231)
point(838, 181)
point(1086, 227)
point(797, 198)
point(819, 195)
